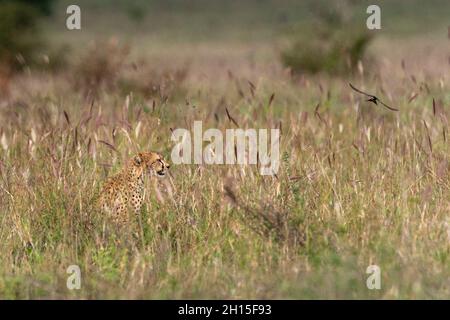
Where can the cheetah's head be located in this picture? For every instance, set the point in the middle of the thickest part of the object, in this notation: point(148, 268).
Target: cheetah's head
point(152, 163)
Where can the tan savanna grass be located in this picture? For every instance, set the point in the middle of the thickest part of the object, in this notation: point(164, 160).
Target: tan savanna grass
point(357, 185)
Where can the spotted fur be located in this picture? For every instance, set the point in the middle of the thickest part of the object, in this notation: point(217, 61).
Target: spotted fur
point(125, 190)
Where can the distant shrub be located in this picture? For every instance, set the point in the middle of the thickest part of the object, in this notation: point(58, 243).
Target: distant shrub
point(135, 11)
point(330, 44)
point(18, 35)
point(333, 53)
point(20, 39)
point(106, 66)
point(101, 66)
point(43, 6)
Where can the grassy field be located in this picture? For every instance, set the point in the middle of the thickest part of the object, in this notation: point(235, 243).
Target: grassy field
point(358, 185)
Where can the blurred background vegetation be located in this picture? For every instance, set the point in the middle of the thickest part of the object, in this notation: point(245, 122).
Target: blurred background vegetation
point(308, 36)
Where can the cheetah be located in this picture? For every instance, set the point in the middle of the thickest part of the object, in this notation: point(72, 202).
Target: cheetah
point(126, 189)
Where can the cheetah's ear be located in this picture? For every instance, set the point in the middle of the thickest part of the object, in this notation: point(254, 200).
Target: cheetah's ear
point(138, 159)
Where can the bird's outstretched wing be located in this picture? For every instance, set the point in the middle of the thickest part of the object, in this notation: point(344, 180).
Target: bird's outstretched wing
point(359, 91)
point(385, 105)
point(375, 99)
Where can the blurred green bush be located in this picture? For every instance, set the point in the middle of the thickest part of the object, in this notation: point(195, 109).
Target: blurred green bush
point(332, 44)
point(336, 53)
point(20, 38)
point(43, 6)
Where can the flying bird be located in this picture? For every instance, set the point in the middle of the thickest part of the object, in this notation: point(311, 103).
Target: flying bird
point(372, 98)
